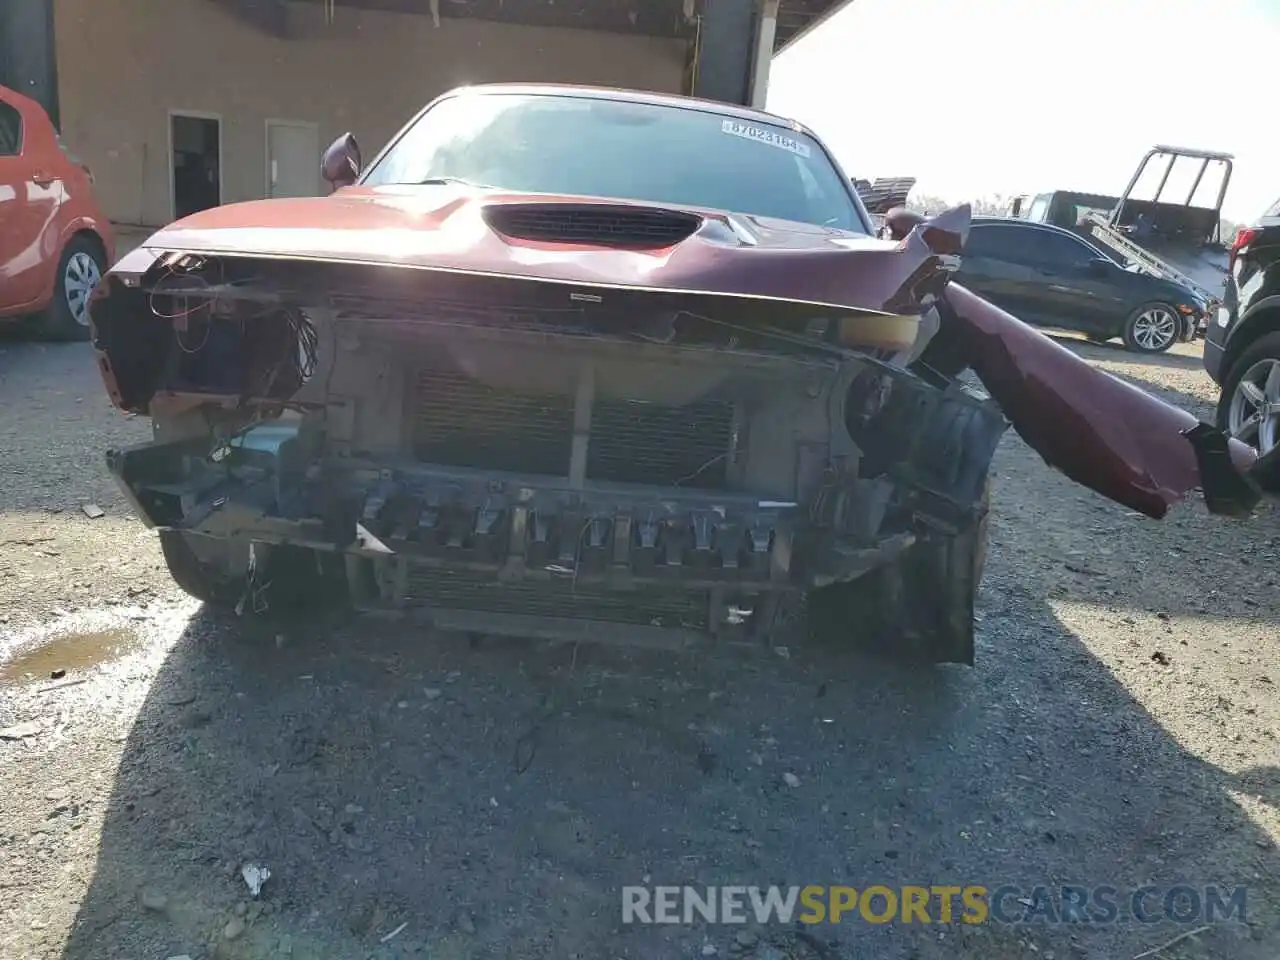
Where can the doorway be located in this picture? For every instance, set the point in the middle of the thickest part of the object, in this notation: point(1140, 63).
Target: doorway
point(195, 153)
point(293, 158)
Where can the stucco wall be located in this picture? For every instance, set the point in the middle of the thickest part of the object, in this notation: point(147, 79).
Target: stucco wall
point(124, 64)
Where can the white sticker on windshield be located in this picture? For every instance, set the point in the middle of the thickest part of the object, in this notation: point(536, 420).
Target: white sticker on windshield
point(765, 135)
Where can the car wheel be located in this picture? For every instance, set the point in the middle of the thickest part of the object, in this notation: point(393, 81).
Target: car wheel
point(1152, 328)
point(1249, 405)
point(295, 581)
point(196, 577)
point(79, 270)
point(919, 608)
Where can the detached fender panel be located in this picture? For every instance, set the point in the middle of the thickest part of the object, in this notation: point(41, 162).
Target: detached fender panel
point(1103, 433)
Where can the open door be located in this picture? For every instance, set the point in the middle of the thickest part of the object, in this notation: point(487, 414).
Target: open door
point(195, 159)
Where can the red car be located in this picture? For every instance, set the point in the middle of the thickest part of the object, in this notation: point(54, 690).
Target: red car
point(55, 242)
point(575, 362)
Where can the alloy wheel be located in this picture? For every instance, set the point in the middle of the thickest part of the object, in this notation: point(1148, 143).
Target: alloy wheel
point(1155, 328)
point(78, 281)
point(1254, 416)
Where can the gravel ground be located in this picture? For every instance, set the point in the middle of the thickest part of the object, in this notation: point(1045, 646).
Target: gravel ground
point(417, 795)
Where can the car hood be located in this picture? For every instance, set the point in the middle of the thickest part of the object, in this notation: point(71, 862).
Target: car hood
point(578, 240)
point(1179, 295)
point(1161, 288)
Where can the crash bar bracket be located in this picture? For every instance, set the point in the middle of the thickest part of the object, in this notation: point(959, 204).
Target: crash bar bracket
point(583, 401)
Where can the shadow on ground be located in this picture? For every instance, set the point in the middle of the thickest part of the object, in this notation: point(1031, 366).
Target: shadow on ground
point(494, 797)
point(490, 800)
point(57, 425)
point(15, 332)
point(1113, 351)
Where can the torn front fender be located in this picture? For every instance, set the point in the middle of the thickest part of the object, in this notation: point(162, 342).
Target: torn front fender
point(1108, 435)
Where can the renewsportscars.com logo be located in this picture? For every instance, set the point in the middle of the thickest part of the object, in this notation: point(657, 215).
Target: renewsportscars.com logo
point(972, 904)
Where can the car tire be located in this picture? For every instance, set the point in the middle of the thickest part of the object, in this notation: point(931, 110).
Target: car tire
point(919, 608)
point(196, 578)
point(80, 267)
point(1152, 328)
point(295, 580)
point(1252, 362)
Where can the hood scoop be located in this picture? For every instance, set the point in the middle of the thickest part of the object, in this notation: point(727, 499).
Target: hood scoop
point(599, 224)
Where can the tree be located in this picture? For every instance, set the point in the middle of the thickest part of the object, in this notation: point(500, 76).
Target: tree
point(995, 205)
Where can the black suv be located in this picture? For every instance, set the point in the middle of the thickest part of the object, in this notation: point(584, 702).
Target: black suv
point(1242, 346)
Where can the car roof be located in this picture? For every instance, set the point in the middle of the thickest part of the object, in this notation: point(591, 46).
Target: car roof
point(1029, 224)
point(28, 106)
point(626, 95)
point(1042, 227)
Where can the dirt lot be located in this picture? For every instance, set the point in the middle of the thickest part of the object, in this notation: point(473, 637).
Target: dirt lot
point(481, 799)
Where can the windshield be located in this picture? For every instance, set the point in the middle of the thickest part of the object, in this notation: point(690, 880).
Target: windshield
point(631, 151)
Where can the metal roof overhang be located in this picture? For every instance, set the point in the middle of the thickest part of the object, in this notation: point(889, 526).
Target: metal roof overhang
point(674, 19)
point(796, 18)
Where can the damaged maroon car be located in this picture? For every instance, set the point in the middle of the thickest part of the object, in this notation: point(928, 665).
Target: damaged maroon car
point(571, 362)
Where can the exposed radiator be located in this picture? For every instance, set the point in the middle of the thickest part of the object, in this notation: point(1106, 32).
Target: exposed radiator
point(460, 422)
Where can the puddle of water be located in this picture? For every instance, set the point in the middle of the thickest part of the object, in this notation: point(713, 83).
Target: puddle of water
point(71, 652)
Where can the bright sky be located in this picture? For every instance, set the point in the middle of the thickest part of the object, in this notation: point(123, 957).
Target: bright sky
point(976, 97)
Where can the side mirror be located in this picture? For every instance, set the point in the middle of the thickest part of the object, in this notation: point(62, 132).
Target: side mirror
point(899, 221)
point(340, 165)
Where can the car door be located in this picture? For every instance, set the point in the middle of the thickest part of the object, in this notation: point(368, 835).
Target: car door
point(29, 201)
point(13, 196)
point(993, 266)
point(1080, 289)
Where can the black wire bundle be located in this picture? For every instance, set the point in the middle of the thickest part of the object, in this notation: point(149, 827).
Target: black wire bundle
point(308, 344)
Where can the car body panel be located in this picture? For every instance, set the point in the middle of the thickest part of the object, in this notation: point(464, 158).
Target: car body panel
point(1007, 284)
point(1105, 434)
point(45, 200)
point(1100, 431)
